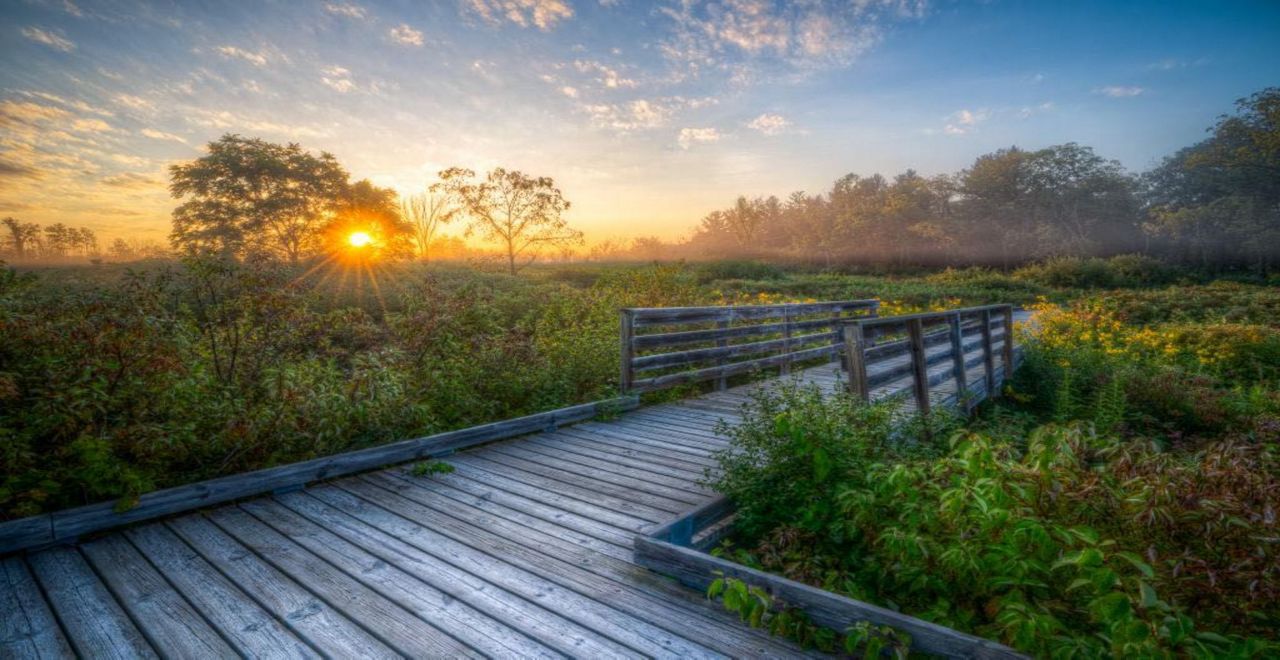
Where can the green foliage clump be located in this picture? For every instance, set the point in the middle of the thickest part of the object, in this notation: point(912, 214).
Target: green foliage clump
point(1130, 270)
point(1110, 505)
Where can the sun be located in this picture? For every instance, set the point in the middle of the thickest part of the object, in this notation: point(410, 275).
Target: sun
point(359, 239)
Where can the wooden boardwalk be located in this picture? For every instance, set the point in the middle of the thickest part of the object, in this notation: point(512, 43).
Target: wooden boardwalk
point(525, 550)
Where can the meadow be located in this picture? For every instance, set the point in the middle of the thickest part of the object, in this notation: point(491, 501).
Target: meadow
point(1121, 497)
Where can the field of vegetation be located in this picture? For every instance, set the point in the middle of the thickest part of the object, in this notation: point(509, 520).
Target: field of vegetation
point(1121, 499)
point(117, 380)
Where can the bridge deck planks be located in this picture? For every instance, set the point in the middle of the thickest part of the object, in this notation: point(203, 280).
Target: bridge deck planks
point(523, 550)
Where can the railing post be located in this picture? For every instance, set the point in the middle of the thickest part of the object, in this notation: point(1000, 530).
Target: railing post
point(628, 349)
point(722, 383)
point(1008, 342)
point(785, 369)
point(919, 370)
point(957, 362)
point(988, 358)
point(855, 360)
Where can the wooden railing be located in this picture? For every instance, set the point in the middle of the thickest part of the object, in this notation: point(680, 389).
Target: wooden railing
point(717, 343)
point(899, 355)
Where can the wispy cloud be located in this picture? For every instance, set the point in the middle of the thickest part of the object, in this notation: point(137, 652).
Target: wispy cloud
point(161, 135)
point(234, 52)
point(769, 124)
point(346, 10)
point(131, 180)
point(1120, 91)
point(543, 14)
point(641, 114)
point(691, 136)
point(605, 75)
point(338, 79)
point(817, 34)
point(49, 39)
point(405, 35)
point(1028, 111)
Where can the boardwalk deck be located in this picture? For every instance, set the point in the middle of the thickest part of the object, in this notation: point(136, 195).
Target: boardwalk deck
point(523, 551)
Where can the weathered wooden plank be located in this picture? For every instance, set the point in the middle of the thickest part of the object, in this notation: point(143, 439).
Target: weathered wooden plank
point(686, 475)
point(28, 628)
point(166, 619)
point(575, 560)
point(608, 583)
point(465, 575)
point(93, 620)
point(629, 433)
point(733, 369)
point(682, 358)
point(824, 608)
point(521, 569)
point(528, 513)
point(595, 459)
point(72, 523)
point(649, 316)
point(610, 473)
point(725, 332)
point(628, 445)
point(251, 629)
point(499, 479)
point(677, 431)
point(590, 488)
point(391, 623)
point(443, 611)
point(309, 617)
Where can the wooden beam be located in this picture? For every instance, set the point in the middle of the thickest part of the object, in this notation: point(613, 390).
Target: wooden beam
point(988, 358)
point(920, 370)
point(957, 360)
point(627, 335)
point(855, 361)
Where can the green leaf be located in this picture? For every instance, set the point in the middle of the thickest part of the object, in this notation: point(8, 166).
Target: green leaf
point(1137, 562)
point(1149, 598)
point(716, 588)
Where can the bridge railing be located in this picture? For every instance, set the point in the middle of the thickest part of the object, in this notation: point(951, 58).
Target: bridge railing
point(920, 354)
point(667, 346)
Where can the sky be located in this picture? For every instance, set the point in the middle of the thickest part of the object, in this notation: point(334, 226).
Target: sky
point(648, 115)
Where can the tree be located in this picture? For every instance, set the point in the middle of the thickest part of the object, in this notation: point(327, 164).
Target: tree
point(1219, 201)
point(426, 213)
point(22, 235)
point(249, 195)
point(521, 213)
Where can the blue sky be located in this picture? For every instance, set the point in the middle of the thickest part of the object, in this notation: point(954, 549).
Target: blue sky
point(648, 114)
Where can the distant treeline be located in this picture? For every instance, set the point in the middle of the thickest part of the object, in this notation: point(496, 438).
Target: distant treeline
point(1213, 204)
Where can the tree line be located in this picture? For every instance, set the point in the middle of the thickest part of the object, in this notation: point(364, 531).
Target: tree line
point(1213, 204)
point(29, 241)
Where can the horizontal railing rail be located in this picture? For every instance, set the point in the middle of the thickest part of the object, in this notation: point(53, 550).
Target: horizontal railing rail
point(965, 338)
point(668, 346)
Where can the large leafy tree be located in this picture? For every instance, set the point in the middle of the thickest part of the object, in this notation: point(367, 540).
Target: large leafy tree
point(251, 196)
point(522, 214)
point(1219, 200)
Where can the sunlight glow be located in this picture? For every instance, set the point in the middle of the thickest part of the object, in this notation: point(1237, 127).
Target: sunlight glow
point(359, 239)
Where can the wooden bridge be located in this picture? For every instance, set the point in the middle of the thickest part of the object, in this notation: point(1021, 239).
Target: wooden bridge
point(524, 550)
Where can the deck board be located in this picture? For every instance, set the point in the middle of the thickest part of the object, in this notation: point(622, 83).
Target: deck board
point(524, 550)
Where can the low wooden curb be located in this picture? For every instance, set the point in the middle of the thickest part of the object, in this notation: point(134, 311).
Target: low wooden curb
point(67, 525)
point(666, 550)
